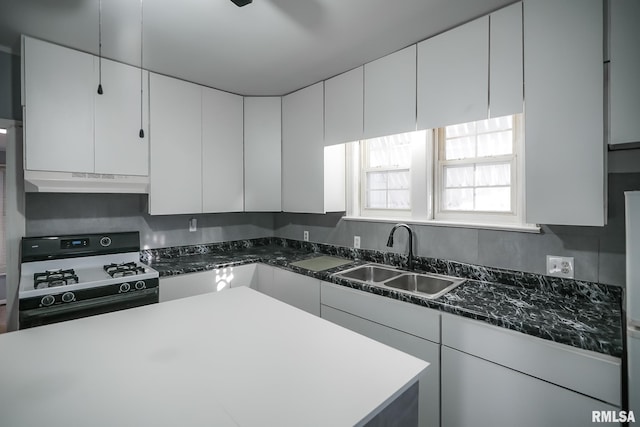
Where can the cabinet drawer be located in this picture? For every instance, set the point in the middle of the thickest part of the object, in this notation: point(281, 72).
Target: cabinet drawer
point(406, 317)
point(586, 372)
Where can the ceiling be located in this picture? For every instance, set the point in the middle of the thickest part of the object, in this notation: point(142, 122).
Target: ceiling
point(269, 47)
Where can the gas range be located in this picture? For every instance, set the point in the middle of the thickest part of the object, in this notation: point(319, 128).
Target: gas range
point(68, 277)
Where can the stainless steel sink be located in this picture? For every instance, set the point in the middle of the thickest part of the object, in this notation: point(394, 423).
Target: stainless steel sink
point(426, 285)
point(370, 273)
point(430, 285)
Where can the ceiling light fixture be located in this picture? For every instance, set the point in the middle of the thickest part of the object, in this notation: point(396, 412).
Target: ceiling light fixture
point(241, 3)
point(141, 133)
point(99, 47)
point(3, 131)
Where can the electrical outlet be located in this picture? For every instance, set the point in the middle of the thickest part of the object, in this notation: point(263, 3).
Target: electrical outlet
point(356, 242)
point(305, 235)
point(193, 225)
point(560, 266)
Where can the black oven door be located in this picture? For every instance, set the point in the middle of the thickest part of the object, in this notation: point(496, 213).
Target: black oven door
point(76, 310)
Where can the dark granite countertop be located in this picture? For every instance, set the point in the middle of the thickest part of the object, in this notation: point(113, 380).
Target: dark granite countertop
point(580, 314)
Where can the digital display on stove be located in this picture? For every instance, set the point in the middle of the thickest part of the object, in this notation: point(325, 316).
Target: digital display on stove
point(74, 243)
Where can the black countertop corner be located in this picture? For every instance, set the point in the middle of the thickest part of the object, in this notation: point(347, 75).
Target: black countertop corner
point(581, 314)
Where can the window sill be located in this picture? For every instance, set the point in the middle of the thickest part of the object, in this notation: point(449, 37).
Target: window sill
point(500, 227)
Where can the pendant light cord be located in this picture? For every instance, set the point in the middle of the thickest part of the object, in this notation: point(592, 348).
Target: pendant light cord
point(141, 134)
point(100, 47)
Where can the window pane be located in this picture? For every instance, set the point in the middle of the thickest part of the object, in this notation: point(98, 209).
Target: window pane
point(492, 125)
point(399, 199)
point(377, 199)
point(389, 151)
point(460, 148)
point(376, 180)
point(496, 174)
point(460, 130)
point(458, 199)
point(493, 199)
point(458, 176)
point(397, 180)
point(495, 144)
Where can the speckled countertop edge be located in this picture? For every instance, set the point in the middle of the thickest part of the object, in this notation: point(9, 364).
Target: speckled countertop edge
point(580, 314)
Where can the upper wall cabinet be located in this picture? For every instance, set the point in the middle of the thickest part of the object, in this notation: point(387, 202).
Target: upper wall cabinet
point(624, 55)
point(564, 147)
point(344, 107)
point(304, 157)
point(390, 94)
point(262, 154)
point(176, 146)
point(505, 61)
point(58, 89)
point(222, 151)
point(69, 127)
point(119, 111)
point(453, 76)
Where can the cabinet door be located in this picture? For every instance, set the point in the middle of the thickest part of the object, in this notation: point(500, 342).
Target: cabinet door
point(295, 289)
point(344, 107)
point(564, 148)
point(262, 154)
point(303, 150)
point(118, 114)
point(176, 146)
point(240, 275)
point(483, 394)
point(623, 71)
point(453, 76)
point(505, 61)
point(222, 158)
point(390, 94)
point(187, 285)
point(58, 107)
point(429, 386)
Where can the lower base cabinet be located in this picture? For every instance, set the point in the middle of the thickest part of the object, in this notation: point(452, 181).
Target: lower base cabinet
point(479, 393)
point(202, 282)
point(369, 311)
point(294, 289)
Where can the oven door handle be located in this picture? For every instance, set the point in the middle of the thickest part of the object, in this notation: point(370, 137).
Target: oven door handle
point(90, 303)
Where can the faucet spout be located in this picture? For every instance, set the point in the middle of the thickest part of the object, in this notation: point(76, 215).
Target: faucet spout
point(390, 242)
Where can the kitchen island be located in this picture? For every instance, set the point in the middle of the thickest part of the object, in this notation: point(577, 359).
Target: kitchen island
point(235, 358)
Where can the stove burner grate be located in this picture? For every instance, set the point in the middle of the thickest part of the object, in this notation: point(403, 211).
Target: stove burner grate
point(54, 278)
point(123, 269)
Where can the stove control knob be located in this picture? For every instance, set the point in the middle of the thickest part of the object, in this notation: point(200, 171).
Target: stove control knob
point(47, 300)
point(125, 287)
point(68, 297)
point(105, 241)
point(140, 285)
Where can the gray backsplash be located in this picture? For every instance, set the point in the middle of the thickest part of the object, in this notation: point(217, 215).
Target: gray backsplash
point(598, 251)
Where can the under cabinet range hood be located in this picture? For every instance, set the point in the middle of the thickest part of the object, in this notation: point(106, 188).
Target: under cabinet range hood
point(74, 182)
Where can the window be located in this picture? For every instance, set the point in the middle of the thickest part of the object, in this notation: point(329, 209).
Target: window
point(466, 173)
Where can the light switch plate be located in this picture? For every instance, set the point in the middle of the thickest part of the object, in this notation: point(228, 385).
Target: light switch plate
point(193, 225)
point(356, 242)
point(559, 266)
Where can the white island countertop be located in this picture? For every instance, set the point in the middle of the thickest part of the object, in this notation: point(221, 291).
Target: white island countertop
point(234, 358)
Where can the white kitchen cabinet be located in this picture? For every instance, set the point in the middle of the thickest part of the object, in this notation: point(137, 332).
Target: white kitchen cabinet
point(505, 61)
point(396, 324)
point(484, 394)
point(453, 76)
point(565, 383)
point(202, 282)
point(624, 56)
point(390, 94)
point(176, 146)
point(295, 289)
point(222, 152)
point(564, 144)
point(344, 107)
point(118, 146)
point(262, 154)
point(304, 163)
point(58, 89)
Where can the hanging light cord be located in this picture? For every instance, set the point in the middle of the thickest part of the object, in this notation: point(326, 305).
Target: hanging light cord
point(100, 47)
point(141, 134)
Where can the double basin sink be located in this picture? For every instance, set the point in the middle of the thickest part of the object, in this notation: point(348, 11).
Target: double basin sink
point(424, 284)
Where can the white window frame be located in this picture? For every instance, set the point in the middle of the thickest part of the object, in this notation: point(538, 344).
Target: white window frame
point(516, 214)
